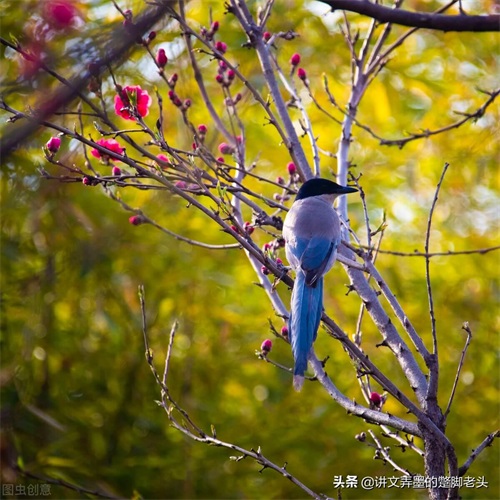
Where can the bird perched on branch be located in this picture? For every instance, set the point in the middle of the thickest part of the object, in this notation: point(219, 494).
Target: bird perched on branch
point(312, 234)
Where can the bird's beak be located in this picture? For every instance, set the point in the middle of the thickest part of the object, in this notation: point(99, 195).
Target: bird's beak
point(347, 189)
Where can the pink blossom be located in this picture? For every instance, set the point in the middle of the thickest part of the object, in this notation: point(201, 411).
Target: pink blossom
point(301, 73)
point(116, 171)
point(60, 13)
point(284, 331)
point(110, 144)
point(53, 144)
point(202, 129)
point(132, 96)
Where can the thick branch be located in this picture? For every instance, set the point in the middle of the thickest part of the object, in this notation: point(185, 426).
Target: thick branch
point(440, 22)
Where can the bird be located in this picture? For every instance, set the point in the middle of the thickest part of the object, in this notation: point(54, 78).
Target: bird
point(312, 233)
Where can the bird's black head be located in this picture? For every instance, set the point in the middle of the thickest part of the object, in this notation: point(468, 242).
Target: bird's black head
point(317, 187)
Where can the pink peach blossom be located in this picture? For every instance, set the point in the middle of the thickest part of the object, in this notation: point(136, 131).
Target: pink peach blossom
point(132, 96)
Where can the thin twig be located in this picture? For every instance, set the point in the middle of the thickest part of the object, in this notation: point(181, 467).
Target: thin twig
point(192, 430)
point(449, 253)
point(476, 451)
point(434, 368)
point(467, 329)
point(403, 443)
point(62, 482)
point(383, 454)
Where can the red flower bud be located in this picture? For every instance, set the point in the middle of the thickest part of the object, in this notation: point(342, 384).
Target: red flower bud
point(376, 398)
point(215, 26)
point(284, 331)
point(202, 129)
point(226, 149)
point(219, 79)
point(266, 36)
point(231, 74)
point(173, 80)
point(301, 73)
point(249, 229)
point(164, 159)
point(266, 346)
point(221, 47)
point(53, 144)
point(116, 171)
point(136, 220)
point(152, 35)
point(295, 59)
point(264, 270)
point(280, 180)
point(181, 185)
point(161, 58)
point(292, 169)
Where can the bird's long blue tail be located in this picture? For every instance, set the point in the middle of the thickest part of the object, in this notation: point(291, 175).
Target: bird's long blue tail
point(305, 315)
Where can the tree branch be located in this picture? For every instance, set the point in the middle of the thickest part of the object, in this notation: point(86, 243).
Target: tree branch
point(440, 22)
point(488, 441)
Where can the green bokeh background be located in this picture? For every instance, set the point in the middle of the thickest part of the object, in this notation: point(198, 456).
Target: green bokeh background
point(78, 398)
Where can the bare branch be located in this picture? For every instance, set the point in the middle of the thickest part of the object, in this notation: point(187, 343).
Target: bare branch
point(434, 367)
point(425, 20)
point(192, 430)
point(488, 441)
point(465, 327)
point(382, 452)
point(62, 482)
point(403, 443)
point(449, 253)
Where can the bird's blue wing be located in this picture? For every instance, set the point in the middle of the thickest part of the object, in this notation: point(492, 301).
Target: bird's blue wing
point(315, 256)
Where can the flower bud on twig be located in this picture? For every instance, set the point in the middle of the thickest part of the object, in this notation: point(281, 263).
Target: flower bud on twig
point(53, 144)
point(266, 347)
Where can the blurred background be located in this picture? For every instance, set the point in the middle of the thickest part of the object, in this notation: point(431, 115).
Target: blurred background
point(77, 396)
